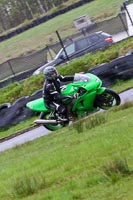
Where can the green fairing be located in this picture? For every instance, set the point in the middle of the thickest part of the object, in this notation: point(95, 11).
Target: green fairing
point(83, 103)
point(86, 101)
point(37, 105)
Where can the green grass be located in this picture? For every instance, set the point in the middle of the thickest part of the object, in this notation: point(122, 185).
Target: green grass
point(123, 85)
point(18, 128)
point(37, 37)
point(95, 163)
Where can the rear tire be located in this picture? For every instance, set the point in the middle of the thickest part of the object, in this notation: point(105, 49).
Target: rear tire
point(107, 99)
point(52, 127)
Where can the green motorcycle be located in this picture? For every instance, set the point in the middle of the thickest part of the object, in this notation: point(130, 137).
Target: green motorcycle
point(89, 96)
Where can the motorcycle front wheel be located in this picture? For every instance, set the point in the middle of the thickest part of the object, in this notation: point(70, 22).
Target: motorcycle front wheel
point(50, 126)
point(107, 99)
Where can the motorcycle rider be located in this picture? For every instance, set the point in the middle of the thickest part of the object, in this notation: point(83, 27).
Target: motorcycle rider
point(52, 91)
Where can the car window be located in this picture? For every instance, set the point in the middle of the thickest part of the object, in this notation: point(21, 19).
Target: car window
point(105, 35)
point(89, 41)
point(81, 44)
point(94, 38)
point(69, 49)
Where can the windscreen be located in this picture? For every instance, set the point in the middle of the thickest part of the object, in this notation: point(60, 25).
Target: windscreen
point(82, 78)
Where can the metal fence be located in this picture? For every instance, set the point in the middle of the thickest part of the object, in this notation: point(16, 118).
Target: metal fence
point(22, 67)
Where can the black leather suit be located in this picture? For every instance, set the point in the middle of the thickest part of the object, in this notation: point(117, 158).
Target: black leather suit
point(52, 93)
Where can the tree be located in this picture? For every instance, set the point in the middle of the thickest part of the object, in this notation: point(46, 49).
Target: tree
point(41, 8)
point(4, 18)
point(15, 12)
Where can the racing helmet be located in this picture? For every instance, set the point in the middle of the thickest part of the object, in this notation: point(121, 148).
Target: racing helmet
point(50, 72)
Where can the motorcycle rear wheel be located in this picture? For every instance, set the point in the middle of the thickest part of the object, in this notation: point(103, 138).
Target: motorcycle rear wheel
point(107, 99)
point(52, 127)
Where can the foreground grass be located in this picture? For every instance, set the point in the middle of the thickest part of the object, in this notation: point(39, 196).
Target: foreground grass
point(18, 128)
point(89, 160)
point(38, 37)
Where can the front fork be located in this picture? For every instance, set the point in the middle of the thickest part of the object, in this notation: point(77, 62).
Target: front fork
point(98, 96)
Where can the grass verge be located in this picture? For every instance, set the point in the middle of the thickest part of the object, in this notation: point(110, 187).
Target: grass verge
point(94, 163)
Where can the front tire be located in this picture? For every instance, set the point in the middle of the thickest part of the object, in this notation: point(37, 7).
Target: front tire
point(107, 99)
point(52, 127)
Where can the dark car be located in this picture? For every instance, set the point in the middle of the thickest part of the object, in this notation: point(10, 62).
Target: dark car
point(79, 47)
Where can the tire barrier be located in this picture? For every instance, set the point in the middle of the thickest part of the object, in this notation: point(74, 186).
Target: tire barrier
point(4, 106)
point(118, 69)
point(17, 112)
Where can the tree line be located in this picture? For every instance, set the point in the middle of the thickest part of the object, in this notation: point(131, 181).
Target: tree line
point(15, 12)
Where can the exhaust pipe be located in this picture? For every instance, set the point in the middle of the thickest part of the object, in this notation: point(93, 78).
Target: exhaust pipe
point(44, 121)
